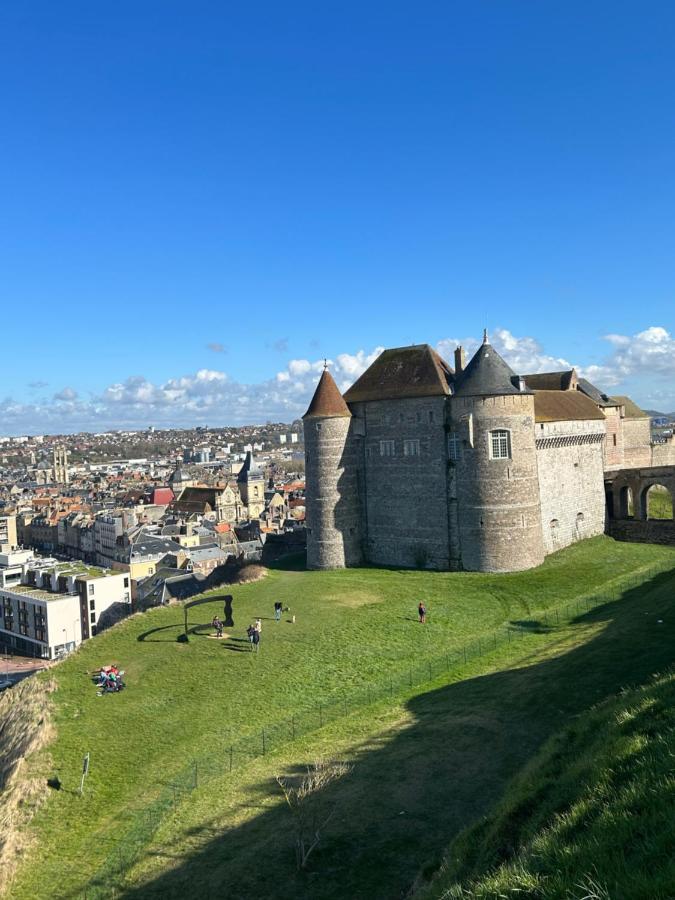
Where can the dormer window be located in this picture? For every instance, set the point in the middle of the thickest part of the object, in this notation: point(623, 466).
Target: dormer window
point(500, 444)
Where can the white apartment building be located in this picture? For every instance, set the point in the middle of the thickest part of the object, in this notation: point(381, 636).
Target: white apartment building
point(51, 607)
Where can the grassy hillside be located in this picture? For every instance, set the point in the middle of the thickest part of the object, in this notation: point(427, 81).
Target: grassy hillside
point(591, 816)
point(352, 628)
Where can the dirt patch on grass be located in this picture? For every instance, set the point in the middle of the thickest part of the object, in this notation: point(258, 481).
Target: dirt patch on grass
point(249, 574)
point(25, 728)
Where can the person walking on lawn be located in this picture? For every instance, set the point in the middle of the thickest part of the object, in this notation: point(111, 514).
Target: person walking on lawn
point(422, 610)
point(256, 639)
point(278, 607)
point(250, 631)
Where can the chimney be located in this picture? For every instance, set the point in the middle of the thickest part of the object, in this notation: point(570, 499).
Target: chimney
point(460, 360)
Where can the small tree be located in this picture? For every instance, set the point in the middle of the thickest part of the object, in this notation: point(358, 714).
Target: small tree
point(310, 815)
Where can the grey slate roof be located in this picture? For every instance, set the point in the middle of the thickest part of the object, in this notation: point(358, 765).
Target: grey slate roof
point(487, 375)
point(594, 393)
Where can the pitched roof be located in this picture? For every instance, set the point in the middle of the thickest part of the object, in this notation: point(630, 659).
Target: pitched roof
point(327, 400)
point(632, 410)
point(550, 381)
point(416, 371)
point(564, 406)
point(487, 375)
point(595, 393)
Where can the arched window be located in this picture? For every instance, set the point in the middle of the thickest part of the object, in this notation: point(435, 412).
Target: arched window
point(500, 444)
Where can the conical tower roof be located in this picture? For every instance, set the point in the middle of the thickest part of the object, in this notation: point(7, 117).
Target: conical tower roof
point(487, 375)
point(327, 400)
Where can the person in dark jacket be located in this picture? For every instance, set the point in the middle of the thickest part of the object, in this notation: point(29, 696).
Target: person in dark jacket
point(422, 611)
point(278, 608)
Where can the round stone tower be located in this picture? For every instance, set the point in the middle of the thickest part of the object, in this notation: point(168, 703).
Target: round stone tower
point(331, 481)
point(492, 449)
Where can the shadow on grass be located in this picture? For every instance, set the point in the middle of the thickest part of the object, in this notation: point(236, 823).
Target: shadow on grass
point(412, 789)
point(293, 562)
point(530, 625)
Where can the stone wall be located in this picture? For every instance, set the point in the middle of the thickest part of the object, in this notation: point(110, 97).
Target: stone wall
point(613, 446)
point(571, 485)
point(332, 486)
point(664, 454)
point(653, 531)
point(497, 499)
point(404, 495)
point(637, 449)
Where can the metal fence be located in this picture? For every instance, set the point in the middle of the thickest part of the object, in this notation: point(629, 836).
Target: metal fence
point(142, 824)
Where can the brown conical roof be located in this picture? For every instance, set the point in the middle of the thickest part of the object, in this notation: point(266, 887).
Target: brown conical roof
point(327, 400)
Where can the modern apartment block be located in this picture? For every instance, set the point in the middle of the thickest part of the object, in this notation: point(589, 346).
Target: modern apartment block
point(47, 608)
point(8, 535)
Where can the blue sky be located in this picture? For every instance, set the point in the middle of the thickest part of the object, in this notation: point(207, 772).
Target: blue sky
point(202, 200)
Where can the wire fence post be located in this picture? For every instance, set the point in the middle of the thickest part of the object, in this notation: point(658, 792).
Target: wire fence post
point(231, 755)
point(196, 779)
point(263, 741)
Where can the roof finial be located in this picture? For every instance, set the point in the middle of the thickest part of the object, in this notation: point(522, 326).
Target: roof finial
point(325, 363)
point(486, 340)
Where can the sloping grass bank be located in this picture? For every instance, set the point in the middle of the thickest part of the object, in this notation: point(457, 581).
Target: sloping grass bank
point(352, 628)
point(591, 815)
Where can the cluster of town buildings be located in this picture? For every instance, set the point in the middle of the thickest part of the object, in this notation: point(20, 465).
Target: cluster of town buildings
point(83, 542)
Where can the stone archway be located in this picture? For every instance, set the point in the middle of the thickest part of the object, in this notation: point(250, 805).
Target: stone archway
point(656, 502)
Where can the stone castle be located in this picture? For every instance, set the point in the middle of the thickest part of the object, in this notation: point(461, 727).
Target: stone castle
point(475, 468)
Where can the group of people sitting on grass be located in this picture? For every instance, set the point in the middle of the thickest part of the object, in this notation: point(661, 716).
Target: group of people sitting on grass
point(109, 679)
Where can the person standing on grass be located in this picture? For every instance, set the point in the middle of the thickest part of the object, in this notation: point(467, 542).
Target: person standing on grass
point(250, 631)
point(422, 610)
point(258, 625)
point(277, 610)
point(256, 639)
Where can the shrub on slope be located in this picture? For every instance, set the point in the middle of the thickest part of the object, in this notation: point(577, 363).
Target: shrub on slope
point(591, 817)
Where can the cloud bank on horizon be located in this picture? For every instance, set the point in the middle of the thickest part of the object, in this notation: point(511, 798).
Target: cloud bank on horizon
point(642, 365)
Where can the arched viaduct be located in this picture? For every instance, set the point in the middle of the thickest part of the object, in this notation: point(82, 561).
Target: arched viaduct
point(625, 485)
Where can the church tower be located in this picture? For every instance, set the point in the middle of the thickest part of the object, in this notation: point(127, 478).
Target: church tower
point(251, 483)
point(332, 497)
point(494, 477)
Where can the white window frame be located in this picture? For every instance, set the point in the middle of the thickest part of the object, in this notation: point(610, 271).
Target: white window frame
point(500, 443)
point(387, 448)
point(411, 447)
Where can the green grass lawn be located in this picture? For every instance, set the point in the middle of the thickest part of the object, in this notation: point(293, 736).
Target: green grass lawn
point(659, 504)
point(352, 627)
point(593, 811)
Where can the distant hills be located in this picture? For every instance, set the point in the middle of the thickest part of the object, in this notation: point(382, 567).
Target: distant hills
point(654, 413)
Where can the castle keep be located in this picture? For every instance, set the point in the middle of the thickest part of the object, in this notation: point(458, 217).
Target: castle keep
point(475, 467)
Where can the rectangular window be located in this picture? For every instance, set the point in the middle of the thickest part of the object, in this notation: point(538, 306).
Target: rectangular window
point(411, 448)
point(387, 448)
point(499, 444)
point(92, 618)
point(454, 447)
point(614, 439)
point(126, 582)
point(431, 415)
point(92, 605)
point(91, 588)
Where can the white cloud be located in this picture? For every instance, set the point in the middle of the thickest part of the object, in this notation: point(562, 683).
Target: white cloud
point(643, 364)
point(66, 394)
